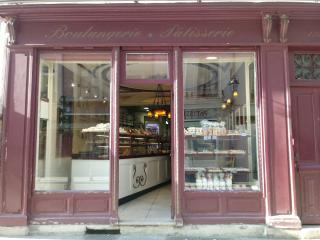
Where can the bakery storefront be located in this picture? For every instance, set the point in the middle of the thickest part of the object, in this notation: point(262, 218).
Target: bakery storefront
point(178, 113)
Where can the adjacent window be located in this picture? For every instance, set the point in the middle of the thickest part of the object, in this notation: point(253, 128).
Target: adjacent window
point(220, 121)
point(307, 66)
point(73, 122)
point(147, 66)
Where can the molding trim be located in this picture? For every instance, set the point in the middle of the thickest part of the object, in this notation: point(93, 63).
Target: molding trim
point(284, 221)
point(155, 12)
point(267, 27)
point(13, 220)
point(9, 20)
point(284, 24)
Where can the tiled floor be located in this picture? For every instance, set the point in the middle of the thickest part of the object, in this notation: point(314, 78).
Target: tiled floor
point(153, 207)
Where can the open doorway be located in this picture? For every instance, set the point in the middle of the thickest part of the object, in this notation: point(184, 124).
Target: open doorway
point(144, 153)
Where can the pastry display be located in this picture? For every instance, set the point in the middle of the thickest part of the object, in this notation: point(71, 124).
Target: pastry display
point(133, 142)
point(216, 158)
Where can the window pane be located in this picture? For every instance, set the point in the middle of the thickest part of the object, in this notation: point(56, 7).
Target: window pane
point(307, 66)
point(220, 125)
point(151, 66)
point(73, 124)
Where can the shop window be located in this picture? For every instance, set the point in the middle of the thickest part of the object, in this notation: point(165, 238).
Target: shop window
point(73, 108)
point(307, 66)
point(147, 66)
point(220, 122)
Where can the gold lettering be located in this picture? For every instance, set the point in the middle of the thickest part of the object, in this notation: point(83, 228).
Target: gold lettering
point(169, 32)
point(177, 31)
point(58, 32)
point(314, 34)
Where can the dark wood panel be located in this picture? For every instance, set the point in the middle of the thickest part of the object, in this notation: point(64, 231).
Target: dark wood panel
point(205, 205)
point(243, 205)
point(310, 196)
point(306, 132)
point(91, 205)
point(305, 128)
point(15, 133)
point(43, 205)
point(223, 204)
point(274, 81)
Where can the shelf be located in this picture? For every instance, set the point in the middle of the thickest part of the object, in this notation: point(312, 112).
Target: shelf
point(216, 136)
point(215, 169)
point(144, 155)
point(226, 152)
point(137, 144)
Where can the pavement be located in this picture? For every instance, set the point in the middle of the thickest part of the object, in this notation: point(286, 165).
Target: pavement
point(187, 232)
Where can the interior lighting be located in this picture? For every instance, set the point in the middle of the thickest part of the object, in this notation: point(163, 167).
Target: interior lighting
point(235, 93)
point(169, 115)
point(228, 101)
point(160, 112)
point(146, 108)
point(73, 84)
point(211, 58)
point(149, 114)
point(223, 106)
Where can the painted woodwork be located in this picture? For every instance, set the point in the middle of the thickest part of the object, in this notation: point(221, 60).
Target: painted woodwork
point(227, 26)
point(17, 139)
point(306, 132)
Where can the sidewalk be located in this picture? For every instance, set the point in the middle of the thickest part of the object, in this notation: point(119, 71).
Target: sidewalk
point(161, 232)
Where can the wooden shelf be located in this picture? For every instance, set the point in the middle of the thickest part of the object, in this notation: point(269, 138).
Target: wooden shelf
point(215, 169)
point(216, 136)
point(227, 152)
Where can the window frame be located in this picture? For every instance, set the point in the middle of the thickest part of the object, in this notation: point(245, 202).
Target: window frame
point(258, 115)
point(36, 117)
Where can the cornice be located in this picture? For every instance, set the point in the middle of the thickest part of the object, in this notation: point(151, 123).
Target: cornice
point(159, 12)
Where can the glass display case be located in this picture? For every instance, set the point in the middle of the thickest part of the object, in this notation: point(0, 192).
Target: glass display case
point(219, 120)
point(132, 143)
point(216, 158)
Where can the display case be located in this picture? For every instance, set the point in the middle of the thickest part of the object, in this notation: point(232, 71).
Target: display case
point(217, 158)
point(220, 122)
point(132, 143)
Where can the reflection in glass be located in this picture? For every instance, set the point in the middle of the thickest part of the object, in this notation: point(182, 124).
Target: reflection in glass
point(73, 125)
point(219, 121)
point(150, 66)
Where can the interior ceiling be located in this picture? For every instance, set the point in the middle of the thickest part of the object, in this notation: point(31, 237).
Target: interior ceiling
point(141, 94)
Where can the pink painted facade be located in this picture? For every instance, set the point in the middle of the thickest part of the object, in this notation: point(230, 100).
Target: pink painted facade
point(273, 31)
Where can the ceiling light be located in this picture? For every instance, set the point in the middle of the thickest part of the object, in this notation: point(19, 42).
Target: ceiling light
point(146, 108)
point(212, 58)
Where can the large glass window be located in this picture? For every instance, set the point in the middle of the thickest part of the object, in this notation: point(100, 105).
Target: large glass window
point(220, 122)
point(73, 122)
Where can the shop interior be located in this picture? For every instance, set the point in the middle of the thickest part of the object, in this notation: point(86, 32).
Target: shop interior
point(144, 153)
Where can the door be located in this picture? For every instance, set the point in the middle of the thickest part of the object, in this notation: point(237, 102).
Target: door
point(306, 133)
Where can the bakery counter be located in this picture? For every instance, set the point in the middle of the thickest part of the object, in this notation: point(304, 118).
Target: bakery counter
point(135, 174)
point(138, 174)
